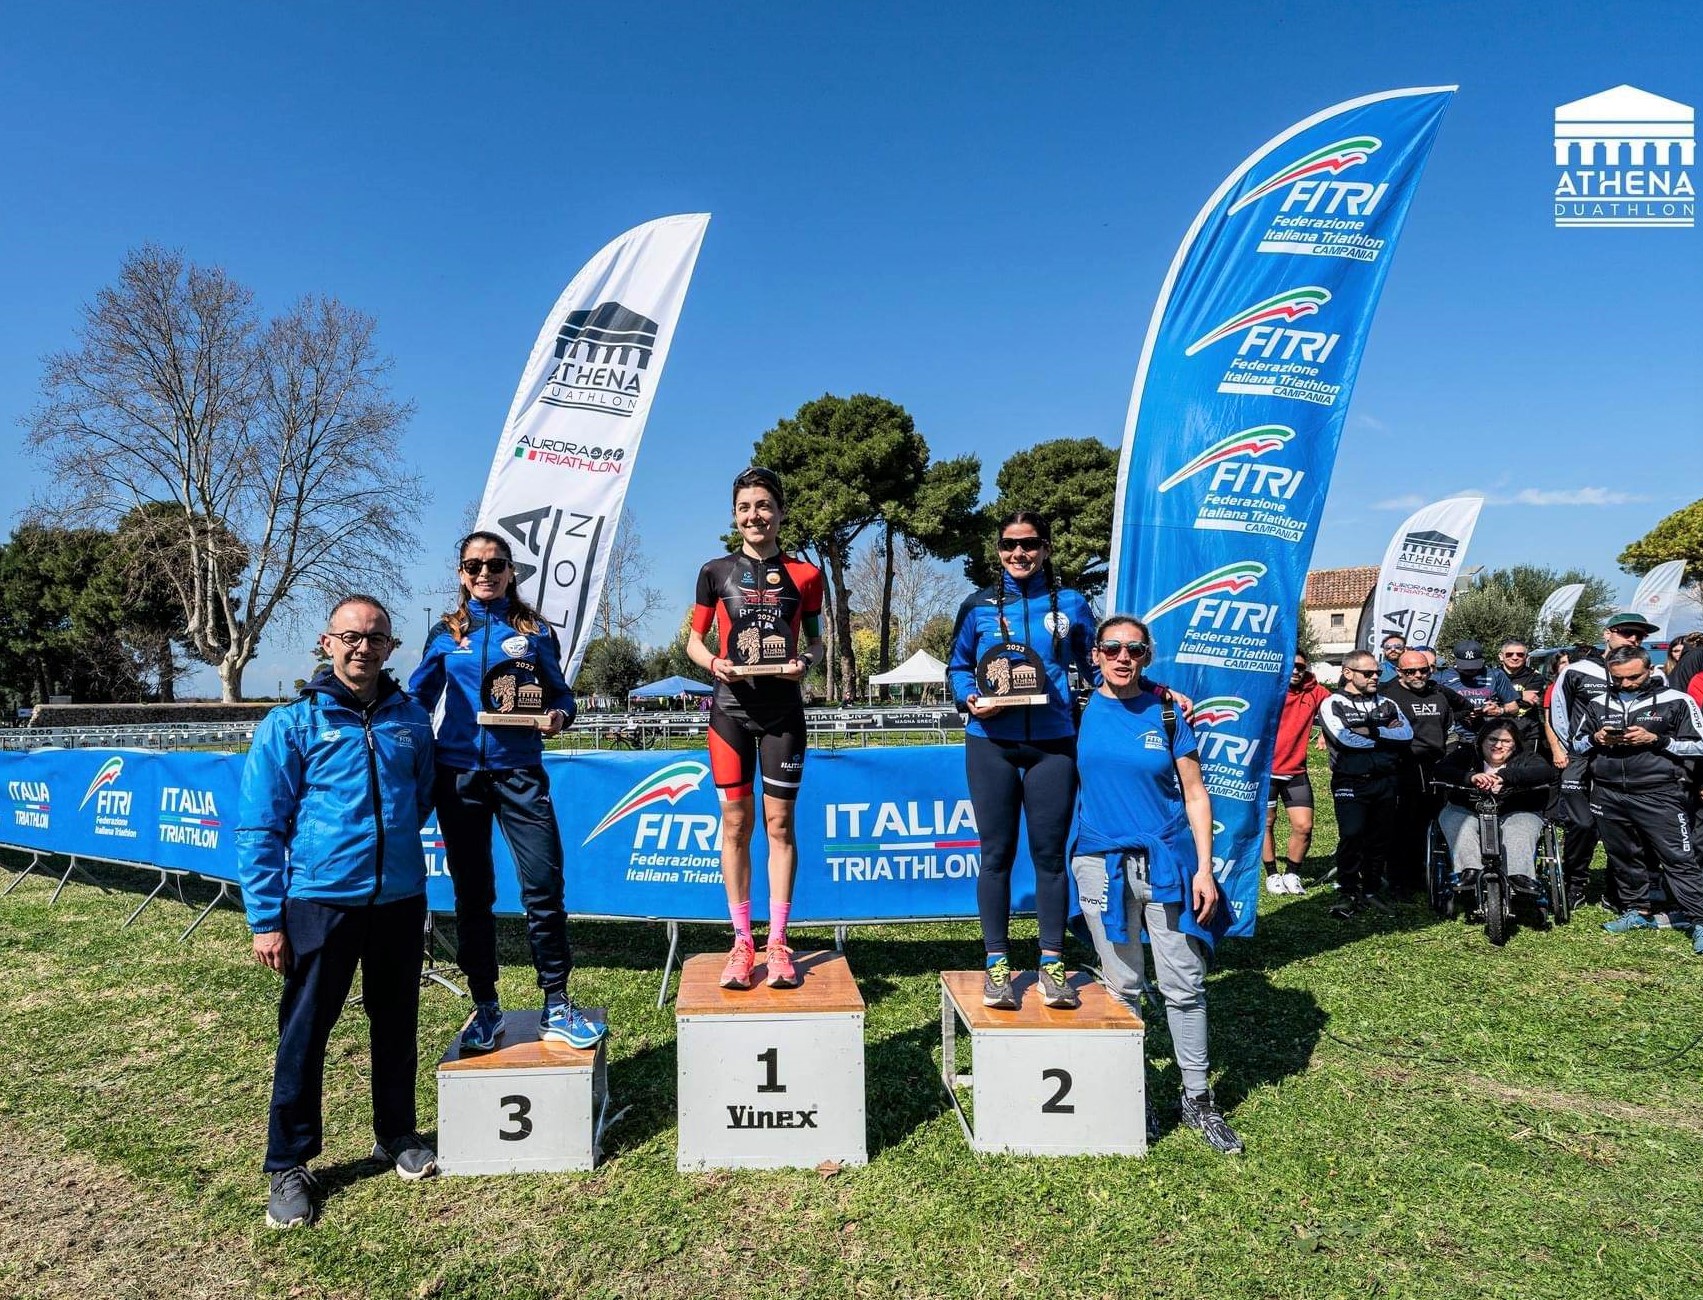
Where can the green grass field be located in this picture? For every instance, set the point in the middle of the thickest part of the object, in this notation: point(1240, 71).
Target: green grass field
point(1425, 1116)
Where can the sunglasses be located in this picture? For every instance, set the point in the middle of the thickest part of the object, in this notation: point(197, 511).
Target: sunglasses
point(1007, 544)
point(1116, 649)
point(1411, 672)
point(1362, 672)
point(473, 568)
point(1513, 654)
point(377, 640)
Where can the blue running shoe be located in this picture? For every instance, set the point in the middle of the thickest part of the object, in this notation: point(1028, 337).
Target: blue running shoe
point(1697, 939)
point(1629, 921)
point(566, 1023)
point(484, 1029)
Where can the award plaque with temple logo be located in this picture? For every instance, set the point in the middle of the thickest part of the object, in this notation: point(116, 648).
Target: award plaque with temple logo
point(513, 696)
point(1012, 673)
point(762, 643)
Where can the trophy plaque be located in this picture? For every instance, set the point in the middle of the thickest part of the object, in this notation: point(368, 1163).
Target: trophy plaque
point(513, 696)
point(1011, 673)
point(762, 644)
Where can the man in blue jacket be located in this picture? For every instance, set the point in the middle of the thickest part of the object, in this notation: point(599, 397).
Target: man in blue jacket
point(335, 790)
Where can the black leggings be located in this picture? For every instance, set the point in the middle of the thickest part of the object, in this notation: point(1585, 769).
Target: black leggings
point(1035, 779)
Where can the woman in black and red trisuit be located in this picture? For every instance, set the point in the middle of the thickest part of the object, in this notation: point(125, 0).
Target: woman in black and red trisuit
point(757, 722)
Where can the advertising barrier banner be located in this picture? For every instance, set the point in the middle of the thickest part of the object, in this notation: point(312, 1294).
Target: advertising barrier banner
point(1238, 405)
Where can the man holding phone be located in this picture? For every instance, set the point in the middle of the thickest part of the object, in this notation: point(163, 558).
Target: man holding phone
point(1638, 736)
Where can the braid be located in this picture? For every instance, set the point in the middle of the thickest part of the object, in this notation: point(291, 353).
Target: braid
point(1053, 620)
point(999, 608)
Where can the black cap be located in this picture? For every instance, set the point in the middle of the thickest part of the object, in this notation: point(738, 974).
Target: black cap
point(1469, 655)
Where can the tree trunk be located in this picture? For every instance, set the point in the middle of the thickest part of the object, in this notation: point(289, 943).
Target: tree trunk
point(167, 669)
point(834, 553)
point(230, 677)
point(830, 665)
point(886, 659)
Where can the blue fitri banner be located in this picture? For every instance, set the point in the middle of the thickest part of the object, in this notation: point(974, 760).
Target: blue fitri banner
point(1233, 426)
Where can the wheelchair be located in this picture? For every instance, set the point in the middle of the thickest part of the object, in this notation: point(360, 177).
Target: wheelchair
point(1483, 894)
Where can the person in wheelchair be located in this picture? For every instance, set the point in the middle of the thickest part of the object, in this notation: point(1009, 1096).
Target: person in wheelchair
point(1520, 780)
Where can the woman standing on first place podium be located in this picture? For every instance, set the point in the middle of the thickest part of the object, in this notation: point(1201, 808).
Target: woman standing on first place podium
point(759, 595)
point(1020, 759)
point(496, 774)
point(1144, 856)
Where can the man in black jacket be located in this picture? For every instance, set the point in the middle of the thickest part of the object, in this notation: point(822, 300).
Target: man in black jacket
point(1430, 708)
point(1364, 734)
point(1638, 735)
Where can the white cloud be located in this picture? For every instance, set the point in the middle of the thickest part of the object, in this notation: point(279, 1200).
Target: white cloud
point(1585, 496)
point(1409, 501)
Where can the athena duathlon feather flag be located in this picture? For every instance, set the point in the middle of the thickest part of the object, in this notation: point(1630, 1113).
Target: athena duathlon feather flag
point(1418, 575)
point(1557, 611)
point(1657, 595)
point(572, 436)
point(1233, 425)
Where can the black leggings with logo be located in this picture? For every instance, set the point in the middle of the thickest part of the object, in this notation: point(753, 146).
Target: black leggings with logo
point(1034, 780)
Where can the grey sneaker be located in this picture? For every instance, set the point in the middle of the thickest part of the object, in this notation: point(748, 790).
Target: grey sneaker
point(996, 987)
point(1202, 1114)
point(291, 1204)
point(410, 1154)
point(1055, 986)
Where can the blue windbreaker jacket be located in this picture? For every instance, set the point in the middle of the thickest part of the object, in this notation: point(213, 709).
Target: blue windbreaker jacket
point(1028, 606)
point(453, 672)
point(333, 798)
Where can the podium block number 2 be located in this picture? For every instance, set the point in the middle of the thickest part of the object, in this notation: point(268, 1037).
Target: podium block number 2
point(1055, 1104)
point(520, 1111)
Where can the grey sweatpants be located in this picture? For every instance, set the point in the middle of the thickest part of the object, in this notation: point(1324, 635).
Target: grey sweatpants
point(1520, 832)
point(1179, 960)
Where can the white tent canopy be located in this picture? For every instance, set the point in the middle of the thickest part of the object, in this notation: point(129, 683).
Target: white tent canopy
point(921, 669)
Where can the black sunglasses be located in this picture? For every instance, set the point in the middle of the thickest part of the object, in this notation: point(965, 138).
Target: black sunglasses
point(1411, 672)
point(496, 565)
point(1114, 649)
point(1020, 543)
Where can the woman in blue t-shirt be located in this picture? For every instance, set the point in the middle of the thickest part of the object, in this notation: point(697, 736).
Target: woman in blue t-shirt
point(1143, 855)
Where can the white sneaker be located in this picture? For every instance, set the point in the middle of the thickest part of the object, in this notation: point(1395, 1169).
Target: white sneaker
point(1274, 884)
point(1292, 883)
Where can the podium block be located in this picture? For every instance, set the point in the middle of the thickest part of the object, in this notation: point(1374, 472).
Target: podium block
point(1045, 1082)
point(770, 1078)
point(531, 1106)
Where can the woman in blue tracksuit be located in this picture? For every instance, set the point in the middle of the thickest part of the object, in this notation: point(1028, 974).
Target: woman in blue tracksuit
point(496, 774)
point(1021, 759)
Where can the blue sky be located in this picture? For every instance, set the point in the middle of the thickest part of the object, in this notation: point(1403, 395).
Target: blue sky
point(967, 209)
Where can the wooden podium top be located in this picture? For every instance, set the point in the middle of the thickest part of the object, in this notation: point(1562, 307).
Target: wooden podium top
point(520, 1048)
point(1099, 1009)
point(825, 985)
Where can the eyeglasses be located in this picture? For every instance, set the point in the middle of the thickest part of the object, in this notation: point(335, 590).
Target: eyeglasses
point(1020, 544)
point(496, 565)
point(1116, 649)
point(377, 640)
point(1495, 741)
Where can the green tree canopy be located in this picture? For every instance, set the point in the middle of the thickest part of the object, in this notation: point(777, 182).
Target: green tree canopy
point(612, 666)
point(1677, 537)
point(1072, 483)
point(1504, 603)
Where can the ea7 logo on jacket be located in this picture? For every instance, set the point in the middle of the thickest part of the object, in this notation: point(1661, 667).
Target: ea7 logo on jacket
point(1312, 184)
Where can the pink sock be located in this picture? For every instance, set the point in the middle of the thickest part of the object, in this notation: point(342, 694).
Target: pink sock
point(778, 913)
point(741, 913)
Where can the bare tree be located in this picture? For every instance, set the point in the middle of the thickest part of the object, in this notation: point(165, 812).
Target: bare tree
point(626, 601)
point(921, 589)
point(274, 447)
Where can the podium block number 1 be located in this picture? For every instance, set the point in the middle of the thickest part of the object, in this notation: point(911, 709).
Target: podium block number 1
point(771, 1074)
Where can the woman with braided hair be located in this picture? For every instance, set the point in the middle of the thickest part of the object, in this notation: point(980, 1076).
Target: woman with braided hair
point(1021, 759)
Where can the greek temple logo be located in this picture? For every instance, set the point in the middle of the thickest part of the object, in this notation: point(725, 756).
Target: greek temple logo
point(1256, 441)
point(109, 772)
point(1282, 309)
point(601, 353)
point(1624, 158)
point(1218, 710)
point(670, 784)
point(1332, 160)
point(1227, 580)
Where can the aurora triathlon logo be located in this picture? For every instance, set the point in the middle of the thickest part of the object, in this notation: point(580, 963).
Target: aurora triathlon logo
point(1246, 494)
point(1322, 215)
point(670, 785)
point(1273, 359)
point(1224, 630)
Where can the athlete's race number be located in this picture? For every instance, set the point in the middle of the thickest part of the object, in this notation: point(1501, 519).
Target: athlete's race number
point(1055, 1104)
point(520, 1109)
point(771, 1060)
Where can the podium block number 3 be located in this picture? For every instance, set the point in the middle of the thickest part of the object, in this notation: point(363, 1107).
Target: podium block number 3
point(771, 1060)
point(1055, 1104)
point(520, 1111)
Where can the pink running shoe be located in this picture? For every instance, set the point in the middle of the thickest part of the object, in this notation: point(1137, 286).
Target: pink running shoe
point(737, 973)
point(782, 973)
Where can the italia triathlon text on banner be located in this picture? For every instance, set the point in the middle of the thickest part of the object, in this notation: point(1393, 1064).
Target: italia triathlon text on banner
point(572, 435)
point(1421, 563)
point(1233, 425)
